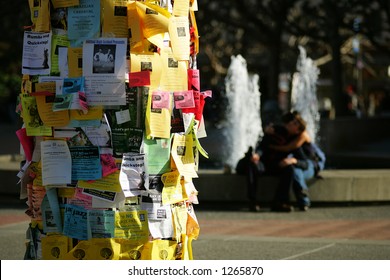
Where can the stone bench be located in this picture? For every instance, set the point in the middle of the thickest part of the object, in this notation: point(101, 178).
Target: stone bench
point(336, 186)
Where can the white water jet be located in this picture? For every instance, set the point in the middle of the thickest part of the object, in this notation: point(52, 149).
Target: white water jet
point(243, 126)
point(304, 93)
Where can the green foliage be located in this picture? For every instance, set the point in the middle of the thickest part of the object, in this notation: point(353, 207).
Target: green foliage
point(9, 86)
point(13, 17)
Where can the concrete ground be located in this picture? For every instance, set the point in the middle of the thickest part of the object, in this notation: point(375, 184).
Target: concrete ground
point(230, 232)
point(326, 232)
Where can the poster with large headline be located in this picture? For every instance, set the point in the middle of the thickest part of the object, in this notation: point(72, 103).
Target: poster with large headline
point(83, 21)
point(36, 53)
point(104, 69)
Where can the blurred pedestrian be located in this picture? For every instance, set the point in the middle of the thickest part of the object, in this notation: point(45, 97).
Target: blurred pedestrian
point(251, 167)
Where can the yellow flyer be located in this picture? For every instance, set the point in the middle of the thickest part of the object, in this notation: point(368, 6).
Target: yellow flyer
point(179, 213)
point(195, 34)
point(194, 132)
point(154, 21)
point(94, 113)
point(75, 66)
point(32, 120)
point(173, 189)
point(114, 18)
point(158, 121)
point(48, 116)
point(45, 105)
point(26, 85)
point(147, 62)
point(64, 3)
point(36, 172)
point(105, 249)
point(54, 247)
point(163, 250)
point(181, 8)
point(66, 192)
point(135, 31)
point(40, 15)
point(183, 155)
point(186, 248)
point(59, 40)
point(179, 33)
point(132, 225)
point(130, 249)
point(174, 73)
point(107, 183)
point(95, 249)
point(45, 88)
point(193, 228)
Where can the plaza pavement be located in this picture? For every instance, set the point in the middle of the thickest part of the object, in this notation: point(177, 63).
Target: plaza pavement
point(231, 232)
point(325, 232)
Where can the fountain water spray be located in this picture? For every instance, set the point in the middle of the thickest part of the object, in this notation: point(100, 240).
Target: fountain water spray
point(243, 128)
point(304, 93)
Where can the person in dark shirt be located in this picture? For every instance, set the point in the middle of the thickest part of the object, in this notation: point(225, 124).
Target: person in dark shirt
point(250, 166)
point(284, 153)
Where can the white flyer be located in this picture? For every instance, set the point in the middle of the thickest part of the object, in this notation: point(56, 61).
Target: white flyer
point(56, 163)
point(104, 69)
point(36, 53)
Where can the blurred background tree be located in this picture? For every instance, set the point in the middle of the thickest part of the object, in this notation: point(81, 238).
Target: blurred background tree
point(13, 17)
point(267, 34)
